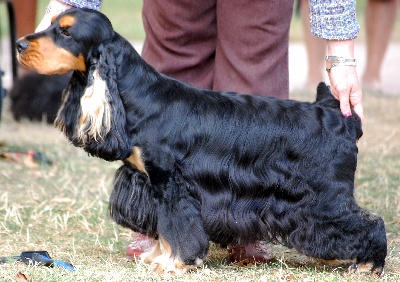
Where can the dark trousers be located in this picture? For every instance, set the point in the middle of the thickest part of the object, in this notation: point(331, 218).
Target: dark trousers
point(227, 45)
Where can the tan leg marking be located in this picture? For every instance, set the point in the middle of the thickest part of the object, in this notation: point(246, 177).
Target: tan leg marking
point(149, 256)
point(136, 159)
point(161, 260)
point(364, 268)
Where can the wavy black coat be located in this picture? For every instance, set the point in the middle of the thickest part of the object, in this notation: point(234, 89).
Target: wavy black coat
point(225, 167)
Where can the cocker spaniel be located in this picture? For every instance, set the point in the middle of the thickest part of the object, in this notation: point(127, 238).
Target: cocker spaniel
point(200, 165)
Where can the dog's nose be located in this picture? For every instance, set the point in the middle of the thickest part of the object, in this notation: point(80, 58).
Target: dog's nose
point(22, 45)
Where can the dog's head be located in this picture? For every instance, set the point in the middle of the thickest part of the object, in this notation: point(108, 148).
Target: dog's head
point(65, 46)
point(91, 115)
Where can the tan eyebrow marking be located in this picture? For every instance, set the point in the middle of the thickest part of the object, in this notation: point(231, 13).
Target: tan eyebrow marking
point(67, 21)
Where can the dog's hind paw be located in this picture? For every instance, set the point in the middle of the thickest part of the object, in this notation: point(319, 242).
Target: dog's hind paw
point(366, 268)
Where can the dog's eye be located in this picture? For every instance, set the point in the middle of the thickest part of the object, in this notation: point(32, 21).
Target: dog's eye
point(65, 32)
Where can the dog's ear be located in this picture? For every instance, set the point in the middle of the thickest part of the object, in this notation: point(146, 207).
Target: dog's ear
point(103, 117)
point(95, 118)
point(93, 115)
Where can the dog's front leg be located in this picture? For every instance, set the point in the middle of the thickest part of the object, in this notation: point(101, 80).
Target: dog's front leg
point(162, 261)
point(132, 202)
point(183, 242)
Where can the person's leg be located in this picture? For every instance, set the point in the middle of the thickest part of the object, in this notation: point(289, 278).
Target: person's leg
point(180, 42)
point(316, 51)
point(252, 58)
point(380, 16)
point(182, 45)
point(181, 39)
point(252, 47)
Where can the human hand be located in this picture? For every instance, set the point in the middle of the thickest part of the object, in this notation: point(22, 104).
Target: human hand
point(344, 79)
point(53, 9)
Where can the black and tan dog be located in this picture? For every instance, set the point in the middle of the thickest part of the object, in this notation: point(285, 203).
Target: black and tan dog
point(202, 166)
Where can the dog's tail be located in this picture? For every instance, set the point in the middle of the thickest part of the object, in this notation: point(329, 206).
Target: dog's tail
point(325, 98)
point(324, 92)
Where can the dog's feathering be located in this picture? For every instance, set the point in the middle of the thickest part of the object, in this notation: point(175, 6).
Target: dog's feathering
point(95, 120)
point(200, 165)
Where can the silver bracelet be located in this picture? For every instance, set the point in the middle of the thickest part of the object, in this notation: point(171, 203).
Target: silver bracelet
point(333, 61)
point(57, 10)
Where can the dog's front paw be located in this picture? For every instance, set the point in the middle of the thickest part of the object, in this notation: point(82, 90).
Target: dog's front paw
point(164, 264)
point(161, 260)
point(365, 268)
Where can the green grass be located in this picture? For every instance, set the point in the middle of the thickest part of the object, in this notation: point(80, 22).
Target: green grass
point(63, 208)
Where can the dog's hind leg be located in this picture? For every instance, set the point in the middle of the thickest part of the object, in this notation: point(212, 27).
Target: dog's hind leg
point(344, 233)
point(372, 254)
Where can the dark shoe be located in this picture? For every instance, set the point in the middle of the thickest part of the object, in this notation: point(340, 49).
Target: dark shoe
point(139, 245)
point(254, 253)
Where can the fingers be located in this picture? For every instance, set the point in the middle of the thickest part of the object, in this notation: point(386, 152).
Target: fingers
point(346, 88)
point(347, 102)
point(349, 99)
point(343, 97)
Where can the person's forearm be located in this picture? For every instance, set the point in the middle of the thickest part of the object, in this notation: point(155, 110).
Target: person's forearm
point(341, 48)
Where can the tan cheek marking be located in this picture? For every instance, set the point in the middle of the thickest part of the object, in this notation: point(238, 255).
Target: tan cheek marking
point(136, 159)
point(67, 21)
point(80, 64)
point(46, 58)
